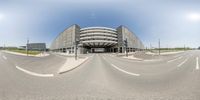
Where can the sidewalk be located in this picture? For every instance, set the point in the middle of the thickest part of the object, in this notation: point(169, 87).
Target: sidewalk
point(164, 53)
point(132, 57)
point(64, 54)
point(69, 55)
point(71, 64)
point(124, 54)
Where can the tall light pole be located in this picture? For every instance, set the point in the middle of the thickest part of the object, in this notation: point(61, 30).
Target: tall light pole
point(4, 47)
point(159, 46)
point(76, 47)
point(184, 47)
point(150, 47)
point(27, 46)
point(126, 45)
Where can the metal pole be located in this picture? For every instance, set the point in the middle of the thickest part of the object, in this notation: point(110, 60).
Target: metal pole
point(4, 47)
point(150, 47)
point(126, 51)
point(27, 46)
point(159, 46)
point(126, 45)
point(184, 47)
point(76, 47)
point(76, 51)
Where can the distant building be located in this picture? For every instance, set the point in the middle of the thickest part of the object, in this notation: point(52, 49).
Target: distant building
point(37, 46)
point(10, 47)
point(22, 47)
point(96, 39)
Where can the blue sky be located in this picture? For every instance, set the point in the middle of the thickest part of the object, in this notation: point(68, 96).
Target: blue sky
point(175, 22)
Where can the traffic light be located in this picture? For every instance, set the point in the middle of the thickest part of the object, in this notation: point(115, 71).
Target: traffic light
point(126, 42)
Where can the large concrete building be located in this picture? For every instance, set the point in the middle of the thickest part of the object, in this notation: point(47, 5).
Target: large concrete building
point(96, 39)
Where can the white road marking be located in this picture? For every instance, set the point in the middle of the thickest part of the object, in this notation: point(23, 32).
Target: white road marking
point(179, 65)
point(197, 63)
point(153, 60)
point(177, 56)
point(134, 74)
point(174, 59)
point(4, 57)
point(103, 57)
point(33, 73)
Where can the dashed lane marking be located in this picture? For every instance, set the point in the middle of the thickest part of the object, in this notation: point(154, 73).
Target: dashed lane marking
point(153, 60)
point(4, 57)
point(179, 65)
point(174, 59)
point(197, 63)
point(33, 73)
point(176, 56)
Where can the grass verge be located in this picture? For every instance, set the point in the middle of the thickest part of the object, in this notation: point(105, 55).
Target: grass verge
point(24, 51)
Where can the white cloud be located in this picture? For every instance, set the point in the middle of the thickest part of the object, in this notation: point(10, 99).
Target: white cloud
point(2, 16)
point(172, 21)
point(194, 16)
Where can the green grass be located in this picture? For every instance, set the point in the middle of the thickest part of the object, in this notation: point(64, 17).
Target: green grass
point(169, 50)
point(24, 51)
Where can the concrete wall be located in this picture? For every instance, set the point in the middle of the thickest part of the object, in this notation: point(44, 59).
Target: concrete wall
point(134, 42)
point(65, 41)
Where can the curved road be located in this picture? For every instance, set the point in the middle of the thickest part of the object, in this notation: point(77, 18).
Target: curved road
point(103, 76)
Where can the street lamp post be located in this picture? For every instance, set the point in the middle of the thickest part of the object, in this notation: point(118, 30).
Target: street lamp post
point(150, 47)
point(126, 45)
point(4, 47)
point(159, 46)
point(184, 47)
point(76, 47)
point(27, 47)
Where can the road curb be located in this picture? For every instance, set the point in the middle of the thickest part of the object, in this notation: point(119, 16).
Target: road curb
point(136, 59)
point(73, 67)
point(25, 55)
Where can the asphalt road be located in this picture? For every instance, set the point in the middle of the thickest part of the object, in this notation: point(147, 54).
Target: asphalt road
point(102, 77)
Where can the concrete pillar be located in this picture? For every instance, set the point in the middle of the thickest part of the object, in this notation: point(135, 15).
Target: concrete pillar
point(117, 49)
